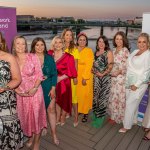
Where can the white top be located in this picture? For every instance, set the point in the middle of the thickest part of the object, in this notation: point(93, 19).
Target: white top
point(138, 68)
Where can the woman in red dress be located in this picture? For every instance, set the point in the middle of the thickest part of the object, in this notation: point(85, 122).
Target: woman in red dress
point(66, 70)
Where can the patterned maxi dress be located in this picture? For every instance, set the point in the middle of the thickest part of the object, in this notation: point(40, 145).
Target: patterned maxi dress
point(116, 104)
point(11, 136)
point(31, 110)
point(101, 86)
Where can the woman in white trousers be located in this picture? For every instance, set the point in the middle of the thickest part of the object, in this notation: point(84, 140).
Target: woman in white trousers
point(138, 73)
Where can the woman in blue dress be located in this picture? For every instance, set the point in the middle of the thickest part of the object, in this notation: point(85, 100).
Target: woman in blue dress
point(38, 47)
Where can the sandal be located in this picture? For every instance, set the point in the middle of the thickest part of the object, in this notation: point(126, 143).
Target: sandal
point(85, 118)
point(146, 129)
point(146, 138)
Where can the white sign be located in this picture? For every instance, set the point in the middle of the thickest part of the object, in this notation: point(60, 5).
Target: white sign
point(146, 23)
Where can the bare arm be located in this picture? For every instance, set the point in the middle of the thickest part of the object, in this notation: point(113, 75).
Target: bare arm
point(15, 74)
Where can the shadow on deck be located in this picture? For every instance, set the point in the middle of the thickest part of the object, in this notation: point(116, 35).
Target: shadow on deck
point(85, 137)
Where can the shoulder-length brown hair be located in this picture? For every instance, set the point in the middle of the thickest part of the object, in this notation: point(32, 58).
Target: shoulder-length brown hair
point(124, 39)
point(34, 42)
point(72, 44)
point(13, 44)
point(105, 41)
point(3, 45)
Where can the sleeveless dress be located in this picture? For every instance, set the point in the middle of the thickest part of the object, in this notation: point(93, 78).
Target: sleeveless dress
point(11, 136)
point(101, 89)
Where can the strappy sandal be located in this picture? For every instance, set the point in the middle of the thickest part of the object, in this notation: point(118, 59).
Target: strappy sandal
point(146, 138)
point(85, 118)
point(146, 129)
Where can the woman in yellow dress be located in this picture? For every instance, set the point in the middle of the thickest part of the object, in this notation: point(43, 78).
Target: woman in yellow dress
point(85, 77)
point(70, 47)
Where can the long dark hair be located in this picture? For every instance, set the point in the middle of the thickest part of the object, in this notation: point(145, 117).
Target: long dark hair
point(3, 45)
point(34, 43)
point(124, 39)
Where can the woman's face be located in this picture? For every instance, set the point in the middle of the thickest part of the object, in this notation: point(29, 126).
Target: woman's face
point(142, 43)
point(119, 41)
point(68, 36)
point(58, 45)
point(20, 45)
point(39, 47)
point(82, 41)
point(101, 44)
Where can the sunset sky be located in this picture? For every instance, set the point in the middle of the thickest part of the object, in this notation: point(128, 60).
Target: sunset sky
point(86, 9)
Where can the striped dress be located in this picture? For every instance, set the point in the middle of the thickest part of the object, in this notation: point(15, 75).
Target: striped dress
point(101, 86)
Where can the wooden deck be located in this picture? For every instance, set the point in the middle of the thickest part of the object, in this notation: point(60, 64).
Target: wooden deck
point(85, 137)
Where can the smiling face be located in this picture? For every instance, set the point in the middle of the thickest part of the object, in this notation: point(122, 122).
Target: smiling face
point(142, 43)
point(39, 47)
point(58, 44)
point(101, 44)
point(68, 36)
point(82, 41)
point(20, 45)
point(119, 41)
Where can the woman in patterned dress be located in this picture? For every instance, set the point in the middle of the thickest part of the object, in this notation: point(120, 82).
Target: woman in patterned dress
point(70, 47)
point(38, 47)
point(30, 100)
point(101, 68)
point(116, 104)
point(11, 136)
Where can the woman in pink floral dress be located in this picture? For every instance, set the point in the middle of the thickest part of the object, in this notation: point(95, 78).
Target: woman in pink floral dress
point(30, 100)
point(116, 105)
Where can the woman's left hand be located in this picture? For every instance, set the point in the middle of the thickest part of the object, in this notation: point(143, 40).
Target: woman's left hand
point(52, 93)
point(133, 87)
point(2, 90)
point(83, 82)
point(32, 91)
point(99, 74)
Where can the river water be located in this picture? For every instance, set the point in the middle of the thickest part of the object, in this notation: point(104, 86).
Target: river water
point(92, 33)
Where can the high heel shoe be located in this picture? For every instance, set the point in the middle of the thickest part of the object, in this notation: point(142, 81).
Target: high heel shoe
point(56, 141)
point(28, 144)
point(75, 124)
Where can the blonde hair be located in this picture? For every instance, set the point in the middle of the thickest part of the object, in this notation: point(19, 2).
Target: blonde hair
point(13, 44)
point(3, 45)
point(145, 35)
point(53, 42)
point(72, 44)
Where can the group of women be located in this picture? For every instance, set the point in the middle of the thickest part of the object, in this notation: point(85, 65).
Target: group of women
point(54, 81)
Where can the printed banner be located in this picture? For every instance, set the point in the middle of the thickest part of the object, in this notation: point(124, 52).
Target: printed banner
point(8, 24)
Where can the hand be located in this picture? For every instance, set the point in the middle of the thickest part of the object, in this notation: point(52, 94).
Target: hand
point(59, 79)
point(75, 81)
point(133, 87)
point(83, 82)
point(2, 90)
point(52, 93)
point(99, 74)
point(116, 73)
point(31, 92)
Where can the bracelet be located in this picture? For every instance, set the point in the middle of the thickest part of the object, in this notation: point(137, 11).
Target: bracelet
point(7, 87)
